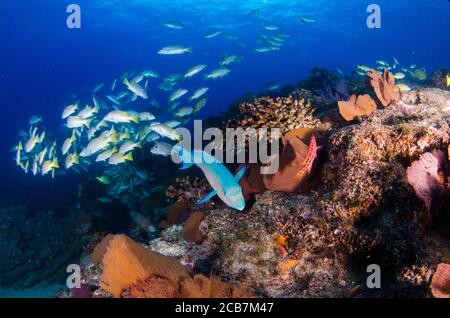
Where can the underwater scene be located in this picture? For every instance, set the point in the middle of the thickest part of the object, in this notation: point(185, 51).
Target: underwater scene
point(225, 149)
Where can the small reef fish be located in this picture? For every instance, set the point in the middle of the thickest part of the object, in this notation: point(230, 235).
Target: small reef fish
point(199, 105)
point(403, 87)
point(146, 116)
point(199, 93)
point(88, 112)
point(49, 166)
point(71, 160)
point(270, 27)
point(174, 50)
point(118, 116)
point(162, 149)
point(399, 76)
point(212, 34)
point(307, 20)
point(33, 141)
point(230, 59)
point(225, 185)
point(195, 70)
point(150, 74)
point(173, 25)
point(219, 73)
point(172, 123)
point(35, 120)
point(105, 155)
point(136, 89)
point(119, 158)
point(19, 152)
point(99, 143)
point(78, 122)
point(68, 143)
point(166, 131)
point(129, 146)
point(178, 94)
point(69, 110)
point(185, 111)
point(104, 179)
point(98, 87)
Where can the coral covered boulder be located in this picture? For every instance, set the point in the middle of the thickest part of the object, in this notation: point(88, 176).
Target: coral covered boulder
point(357, 106)
point(384, 86)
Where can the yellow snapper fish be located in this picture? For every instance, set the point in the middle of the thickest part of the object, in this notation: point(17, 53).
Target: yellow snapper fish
point(399, 76)
point(41, 156)
point(194, 70)
point(105, 155)
point(49, 166)
point(71, 160)
point(88, 112)
point(403, 87)
point(35, 168)
point(99, 143)
point(136, 89)
point(32, 141)
point(18, 153)
point(119, 158)
point(69, 111)
point(363, 68)
point(119, 116)
point(25, 166)
point(166, 131)
point(129, 146)
point(78, 122)
point(68, 143)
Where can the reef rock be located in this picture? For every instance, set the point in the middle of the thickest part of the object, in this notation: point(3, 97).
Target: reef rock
point(440, 284)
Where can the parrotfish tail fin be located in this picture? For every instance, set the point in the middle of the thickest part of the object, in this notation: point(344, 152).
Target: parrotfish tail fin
point(189, 50)
point(88, 123)
point(184, 155)
point(240, 174)
point(129, 157)
point(186, 166)
point(125, 81)
point(139, 145)
point(114, 137)
point(114, 150)
point(135, 119)
point(76, 159)
point(207, 198)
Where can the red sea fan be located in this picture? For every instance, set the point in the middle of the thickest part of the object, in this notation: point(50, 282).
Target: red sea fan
point(424, 175)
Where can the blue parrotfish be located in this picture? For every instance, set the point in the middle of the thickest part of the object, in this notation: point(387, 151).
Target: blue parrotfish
point(224, 184)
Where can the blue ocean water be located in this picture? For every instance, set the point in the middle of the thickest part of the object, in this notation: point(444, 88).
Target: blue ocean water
point(43, 63)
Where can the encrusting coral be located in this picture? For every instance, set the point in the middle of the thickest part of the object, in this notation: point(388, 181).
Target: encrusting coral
point(384, 86)
point(357, 106)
